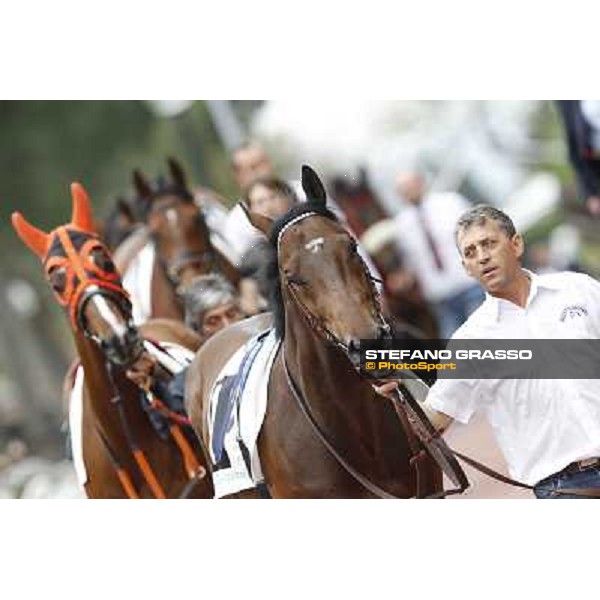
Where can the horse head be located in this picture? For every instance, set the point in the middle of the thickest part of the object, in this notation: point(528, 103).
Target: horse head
point(177, 224)
point(320, 271)
point(84, 279)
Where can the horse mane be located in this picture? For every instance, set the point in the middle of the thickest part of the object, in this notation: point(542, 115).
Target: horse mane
point(272, 264)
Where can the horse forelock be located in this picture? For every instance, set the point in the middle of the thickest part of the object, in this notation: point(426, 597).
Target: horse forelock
point(297, 213)
point(162, 187)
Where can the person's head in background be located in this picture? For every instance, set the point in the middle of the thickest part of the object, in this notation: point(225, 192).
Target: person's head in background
point(270, 197)
point(248, 162)
point(411, 186)
point(211, 304)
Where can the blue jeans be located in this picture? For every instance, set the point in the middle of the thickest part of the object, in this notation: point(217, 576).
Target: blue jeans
point(545, 489)
point(452, 312)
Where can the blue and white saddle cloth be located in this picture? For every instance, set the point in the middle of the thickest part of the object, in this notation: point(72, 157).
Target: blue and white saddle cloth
point(237, 407)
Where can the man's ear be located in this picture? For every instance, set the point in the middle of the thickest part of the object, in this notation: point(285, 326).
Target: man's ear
point(518, 245)
point(262, 223)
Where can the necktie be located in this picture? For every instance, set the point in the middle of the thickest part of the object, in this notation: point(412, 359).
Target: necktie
point(435, 253)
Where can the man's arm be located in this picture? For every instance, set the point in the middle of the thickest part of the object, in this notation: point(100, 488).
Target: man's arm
point(438, 419)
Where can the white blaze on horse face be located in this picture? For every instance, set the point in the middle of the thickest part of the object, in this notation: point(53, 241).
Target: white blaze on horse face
point(171, 215)
point(107, 312)
point(315, 245)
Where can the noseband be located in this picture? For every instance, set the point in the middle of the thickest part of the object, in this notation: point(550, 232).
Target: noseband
point(173, 268)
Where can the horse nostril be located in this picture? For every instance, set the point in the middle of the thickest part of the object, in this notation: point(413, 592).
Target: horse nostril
point(384, 332)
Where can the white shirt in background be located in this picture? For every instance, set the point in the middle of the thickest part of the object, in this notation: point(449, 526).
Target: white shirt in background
point(441, 212)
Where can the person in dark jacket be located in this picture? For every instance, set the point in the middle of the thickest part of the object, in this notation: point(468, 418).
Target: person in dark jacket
point(584, 152)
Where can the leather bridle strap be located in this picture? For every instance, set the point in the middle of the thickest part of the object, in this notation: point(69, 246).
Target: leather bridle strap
point(306, 411)
point(583, 492)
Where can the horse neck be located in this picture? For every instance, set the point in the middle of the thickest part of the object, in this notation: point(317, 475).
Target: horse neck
point(164, 300)
point(100, 389)
point(94, 366)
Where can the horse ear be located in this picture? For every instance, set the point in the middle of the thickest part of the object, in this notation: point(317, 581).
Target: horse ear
point(312, 186)
point(262, 223)
point(177, 173)
point(82, 217)
point(35, 239)
point(142, 187)
point(125, 209)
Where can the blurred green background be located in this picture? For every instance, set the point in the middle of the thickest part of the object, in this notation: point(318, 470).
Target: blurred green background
point(44, 146)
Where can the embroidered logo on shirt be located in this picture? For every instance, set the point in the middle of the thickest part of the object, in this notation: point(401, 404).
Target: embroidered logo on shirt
point(573, 311)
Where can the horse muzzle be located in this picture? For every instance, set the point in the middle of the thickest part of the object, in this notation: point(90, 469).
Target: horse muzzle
point(124, 349)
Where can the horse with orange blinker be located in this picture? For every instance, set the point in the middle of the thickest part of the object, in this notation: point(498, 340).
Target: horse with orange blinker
point(121, 454)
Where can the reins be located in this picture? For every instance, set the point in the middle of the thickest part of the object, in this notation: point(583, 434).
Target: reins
point(194, 470)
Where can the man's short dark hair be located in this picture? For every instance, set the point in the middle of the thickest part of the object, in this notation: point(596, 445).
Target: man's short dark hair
point(479, 214)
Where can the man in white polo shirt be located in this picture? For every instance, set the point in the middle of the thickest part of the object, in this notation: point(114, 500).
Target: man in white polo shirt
point(548, 430)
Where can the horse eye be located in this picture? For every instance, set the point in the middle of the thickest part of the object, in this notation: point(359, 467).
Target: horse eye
point(102, 260)
point(296, 280)
point(58, 279)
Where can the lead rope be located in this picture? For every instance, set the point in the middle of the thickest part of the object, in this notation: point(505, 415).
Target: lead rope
point(364, 481)
point(136, 451)
point(195, 471)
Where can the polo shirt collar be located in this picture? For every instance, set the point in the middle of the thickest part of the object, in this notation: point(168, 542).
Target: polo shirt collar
point(492, 304)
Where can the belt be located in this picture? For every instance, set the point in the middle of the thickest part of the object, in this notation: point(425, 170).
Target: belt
point(580, 465)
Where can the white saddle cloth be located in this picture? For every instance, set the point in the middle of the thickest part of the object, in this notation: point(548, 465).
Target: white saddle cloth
point(248, 417)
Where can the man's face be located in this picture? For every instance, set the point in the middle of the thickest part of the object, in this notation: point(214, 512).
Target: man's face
point(218, 318)
point(250, 164)
point(410, 187)
point(490, 256)
point(267, 202)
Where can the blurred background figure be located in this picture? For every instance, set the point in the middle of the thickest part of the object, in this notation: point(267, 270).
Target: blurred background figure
point(581, 120)
point(425, 237)
point(564, 247)
point(270, 197)
point(211, 304)
point(407, 310)
point(248, 162)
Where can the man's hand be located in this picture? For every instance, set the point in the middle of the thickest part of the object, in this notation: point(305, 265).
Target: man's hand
point(387, 388)
point(141, 372)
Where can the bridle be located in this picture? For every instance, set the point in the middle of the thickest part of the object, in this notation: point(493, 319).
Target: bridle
point(206, 259)
point(85, 279)
point(315, 323)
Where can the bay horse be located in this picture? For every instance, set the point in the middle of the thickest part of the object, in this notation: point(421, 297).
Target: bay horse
point(178, 236)
point(122, 454)
point(326, 433)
